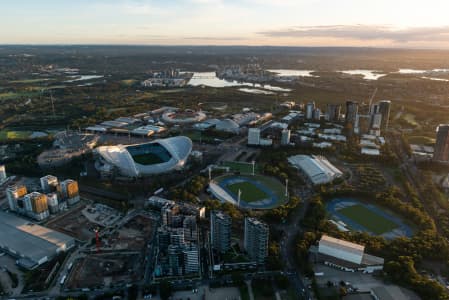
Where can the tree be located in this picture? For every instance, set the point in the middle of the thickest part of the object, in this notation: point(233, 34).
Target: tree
point(165, 289)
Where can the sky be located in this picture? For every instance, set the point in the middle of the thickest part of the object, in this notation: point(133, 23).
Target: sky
point(367, 23)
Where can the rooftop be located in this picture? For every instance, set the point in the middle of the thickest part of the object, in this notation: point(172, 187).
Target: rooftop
point(30, 240)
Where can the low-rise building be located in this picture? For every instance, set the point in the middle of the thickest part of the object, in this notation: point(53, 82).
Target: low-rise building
point(316, 168)
point(346, 255)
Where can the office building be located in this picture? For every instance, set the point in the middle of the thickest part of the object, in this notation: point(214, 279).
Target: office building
point(191, 259)
point(68, 189)
point(13, 194)
point(53, 203)
point(254, 136)
point(2, 173)
point(36, 206)
point(384, 110)
point(220, 231)
point(352, 109)
point(49, 183)
point(174, 260)
point(285, 139)
point(310, 107)
point(190, 228)
point(317, 114)
point(333, 112)
point(256, 239)
point(376, 121)
point(442, 143)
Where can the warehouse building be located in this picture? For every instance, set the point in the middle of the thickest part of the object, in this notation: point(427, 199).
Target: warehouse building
point(346, 255)
point(30, 243)
point(316, 168)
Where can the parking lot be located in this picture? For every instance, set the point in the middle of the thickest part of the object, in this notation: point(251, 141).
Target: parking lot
point(360, 281)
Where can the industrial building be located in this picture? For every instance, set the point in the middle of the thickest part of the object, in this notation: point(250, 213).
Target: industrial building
point(137, 160)
point(256, 239)
point(347, 256)
point(30, 243)
point(316, 168)
point(442, 143)
point(220, 231)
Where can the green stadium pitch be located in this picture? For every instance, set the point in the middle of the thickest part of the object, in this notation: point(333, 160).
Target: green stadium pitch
point(257, 191)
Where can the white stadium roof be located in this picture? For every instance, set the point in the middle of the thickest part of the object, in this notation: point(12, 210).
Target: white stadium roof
point(176, 148)
point(317, 168)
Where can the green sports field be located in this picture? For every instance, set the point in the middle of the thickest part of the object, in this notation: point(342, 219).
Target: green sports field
point(375, 223)
point(250, 192)
point(147, 159)
point(13, 135)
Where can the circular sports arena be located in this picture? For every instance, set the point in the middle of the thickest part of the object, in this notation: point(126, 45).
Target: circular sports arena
point(256, 191)
point(183, 117)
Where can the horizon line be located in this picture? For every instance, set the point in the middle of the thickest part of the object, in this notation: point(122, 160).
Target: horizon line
point(212, 45)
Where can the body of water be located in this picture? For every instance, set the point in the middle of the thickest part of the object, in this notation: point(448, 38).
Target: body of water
point(210, 79)
point(293, 73)
point(256, 91)
point(83, 77)
point(366, 74)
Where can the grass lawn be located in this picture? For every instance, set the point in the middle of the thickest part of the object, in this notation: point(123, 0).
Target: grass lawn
point(13, 135)
point(147, 159)
point(249, 191)
point(368, 219)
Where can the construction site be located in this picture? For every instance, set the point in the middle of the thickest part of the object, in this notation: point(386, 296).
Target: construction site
point(75, 224)
point(117, 257)
point(103, 269)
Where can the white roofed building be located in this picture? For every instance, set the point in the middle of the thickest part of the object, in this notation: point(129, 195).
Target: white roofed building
point(155, 157)
point(316, 168)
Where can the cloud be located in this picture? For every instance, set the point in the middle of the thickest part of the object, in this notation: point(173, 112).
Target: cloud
point(363, 33)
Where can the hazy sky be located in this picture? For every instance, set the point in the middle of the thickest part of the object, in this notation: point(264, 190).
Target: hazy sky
point(391, 23)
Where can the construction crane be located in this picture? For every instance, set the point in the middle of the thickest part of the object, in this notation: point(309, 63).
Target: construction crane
point(370, 102)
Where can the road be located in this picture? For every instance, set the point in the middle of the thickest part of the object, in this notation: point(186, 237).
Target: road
point(291, 230)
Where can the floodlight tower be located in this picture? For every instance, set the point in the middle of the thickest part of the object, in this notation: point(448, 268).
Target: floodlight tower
point(239, 197)
point(97, 239)
point(253, 163)
point(210, 173)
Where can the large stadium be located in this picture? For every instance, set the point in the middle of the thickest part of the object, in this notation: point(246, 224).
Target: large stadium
point(256, 191)
point(138, 160)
